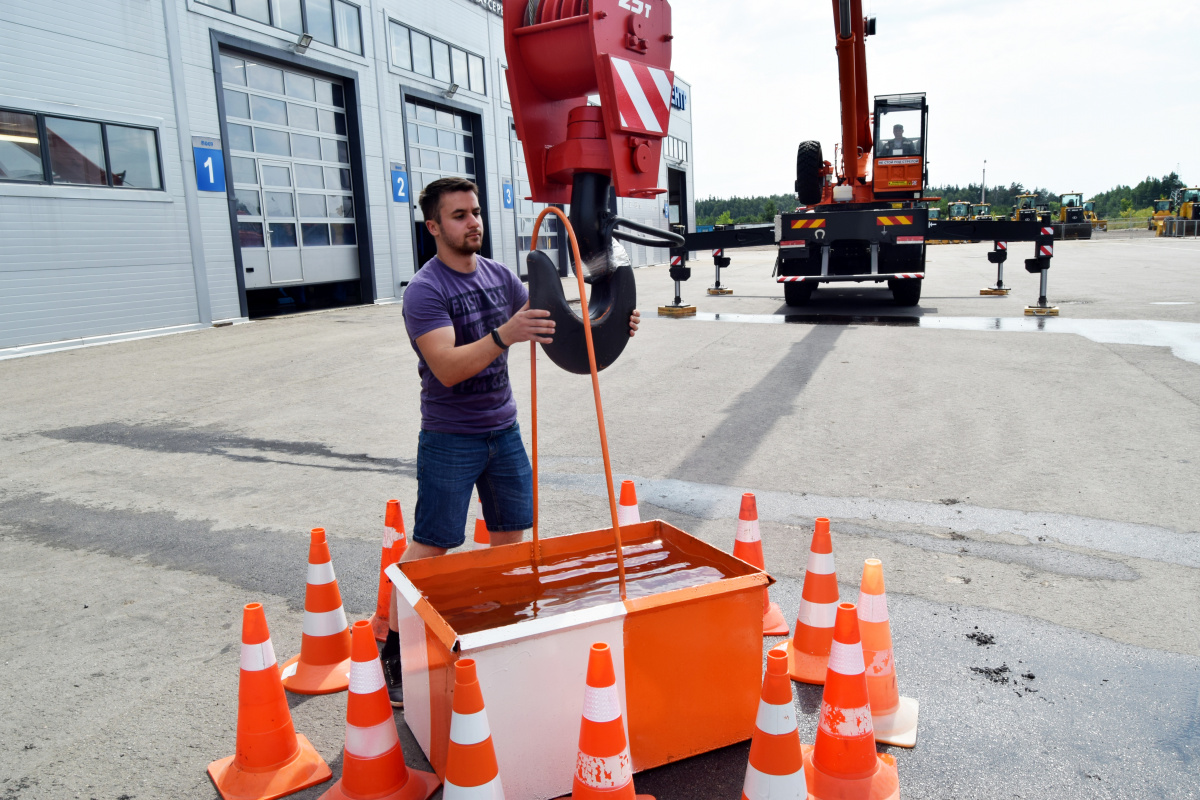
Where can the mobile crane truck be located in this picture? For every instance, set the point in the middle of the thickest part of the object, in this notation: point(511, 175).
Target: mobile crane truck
point(860, 220)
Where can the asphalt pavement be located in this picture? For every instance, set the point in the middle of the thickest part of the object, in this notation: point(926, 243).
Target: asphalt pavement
point(1030, 488)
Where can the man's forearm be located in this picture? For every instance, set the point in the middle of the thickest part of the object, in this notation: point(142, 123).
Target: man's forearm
point(457, 364)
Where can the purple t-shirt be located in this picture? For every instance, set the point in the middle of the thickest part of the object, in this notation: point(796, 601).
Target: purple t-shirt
point(473, 304)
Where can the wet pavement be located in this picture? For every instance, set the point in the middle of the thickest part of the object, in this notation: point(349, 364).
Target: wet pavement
point(1032, 498)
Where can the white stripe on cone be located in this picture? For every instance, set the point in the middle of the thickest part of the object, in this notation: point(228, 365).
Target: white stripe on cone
point(257, 657)
point(817, 615)
point(848, 722)
point(872, 607)
point(600, 772)
point(747, 531)
point(820, 563)
point(776, 719)
point(321, 574)
point(373, 741)
point(325, 623)
point(390, 536)
point(628, 515)
point(762, 786)
point(366, 677)
point(601, 704)
point(470, 728)
point(492, 790)
point(881, 664)
point(846, 659)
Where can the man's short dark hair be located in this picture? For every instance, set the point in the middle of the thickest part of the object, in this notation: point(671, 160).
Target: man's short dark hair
point(431, 195)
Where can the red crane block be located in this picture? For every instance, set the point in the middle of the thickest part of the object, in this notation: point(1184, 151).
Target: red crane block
point(562, 51)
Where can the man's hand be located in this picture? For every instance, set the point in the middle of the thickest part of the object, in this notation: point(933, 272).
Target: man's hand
point(634, 319)
point(528, 325)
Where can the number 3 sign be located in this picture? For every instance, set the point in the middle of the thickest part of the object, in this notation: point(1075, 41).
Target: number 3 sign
point(210, 165)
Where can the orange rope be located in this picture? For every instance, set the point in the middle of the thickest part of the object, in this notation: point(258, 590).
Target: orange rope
point(587, 333)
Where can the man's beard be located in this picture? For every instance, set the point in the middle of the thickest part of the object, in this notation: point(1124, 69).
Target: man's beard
point(467, 246)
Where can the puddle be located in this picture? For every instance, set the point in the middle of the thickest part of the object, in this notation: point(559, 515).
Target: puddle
point(1183, 338)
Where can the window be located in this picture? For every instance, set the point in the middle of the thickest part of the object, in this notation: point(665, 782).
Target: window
point(257, 10)
point(417, 52)
point(675, 149)
point(333, 22)
point(39, 148)
point(20, 147)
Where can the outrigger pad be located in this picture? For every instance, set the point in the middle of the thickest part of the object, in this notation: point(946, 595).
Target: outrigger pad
point(613, 301)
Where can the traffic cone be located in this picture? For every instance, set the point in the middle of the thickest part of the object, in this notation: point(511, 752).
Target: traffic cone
point(842, 764)
point(394, 545)
point(482, 537)
point(808, 649)
point(893, 717)
point(747, 545)
point(323, 665)
point(776, 768)
point(271, 759)
point(471, 770)
point(627, 510)
point(603, 768)
point(373, 765)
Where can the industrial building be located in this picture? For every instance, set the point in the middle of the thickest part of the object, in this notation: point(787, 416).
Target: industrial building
point(167, 165)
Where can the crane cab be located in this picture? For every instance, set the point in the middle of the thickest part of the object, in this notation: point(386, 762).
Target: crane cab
point(899, 168)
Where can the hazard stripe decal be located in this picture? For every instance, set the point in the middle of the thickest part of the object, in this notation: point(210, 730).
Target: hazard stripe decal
point(808, 223)
point(643, 96)
point(893, 220)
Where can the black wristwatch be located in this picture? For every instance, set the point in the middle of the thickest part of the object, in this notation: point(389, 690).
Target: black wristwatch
point(496, 338)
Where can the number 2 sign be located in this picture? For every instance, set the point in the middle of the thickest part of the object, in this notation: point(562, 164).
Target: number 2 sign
point(399, 185)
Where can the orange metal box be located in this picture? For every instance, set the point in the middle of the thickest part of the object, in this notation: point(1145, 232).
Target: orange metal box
point(688, 659)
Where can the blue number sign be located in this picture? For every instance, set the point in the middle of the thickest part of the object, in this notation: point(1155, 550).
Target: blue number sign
point(399, 185)
point(210, 165)
point(508, 195)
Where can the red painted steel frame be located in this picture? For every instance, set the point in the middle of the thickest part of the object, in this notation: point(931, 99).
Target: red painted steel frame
point(554, 64)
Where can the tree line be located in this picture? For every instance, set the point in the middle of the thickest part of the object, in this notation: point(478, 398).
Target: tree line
point(1120, 201)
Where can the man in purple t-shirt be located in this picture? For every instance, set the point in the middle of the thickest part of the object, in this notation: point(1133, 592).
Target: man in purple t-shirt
point(462, 312)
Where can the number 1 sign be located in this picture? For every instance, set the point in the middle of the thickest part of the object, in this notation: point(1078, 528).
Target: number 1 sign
point(210, 165)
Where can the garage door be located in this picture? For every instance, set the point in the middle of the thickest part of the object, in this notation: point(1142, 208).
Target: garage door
point(291, 178)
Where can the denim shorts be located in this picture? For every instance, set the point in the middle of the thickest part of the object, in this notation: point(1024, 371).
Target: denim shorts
point(449, 465)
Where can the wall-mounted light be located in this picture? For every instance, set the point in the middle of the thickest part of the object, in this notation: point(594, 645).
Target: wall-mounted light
point(303, 42)
point(450, 91)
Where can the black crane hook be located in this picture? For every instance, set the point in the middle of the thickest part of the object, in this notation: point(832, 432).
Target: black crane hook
point(613, 288)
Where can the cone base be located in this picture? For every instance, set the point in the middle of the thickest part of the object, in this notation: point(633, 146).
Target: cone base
point(305, 770)
point(900, 727)
point(773, 622)
point(883, 785)
point(803, 667)
point(379, 627)
point(420, 786)
point(301, 678)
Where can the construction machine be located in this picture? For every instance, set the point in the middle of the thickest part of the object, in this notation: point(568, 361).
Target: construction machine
point(981, 211)
point(1072, 224)
point(1161, 210)
point(959, 211)
point(1025, 210)
point(1089, 213)
point(847, 228)
point(1185, 221)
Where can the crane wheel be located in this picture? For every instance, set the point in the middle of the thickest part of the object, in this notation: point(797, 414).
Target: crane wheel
point(809, 163)
point(798, 293)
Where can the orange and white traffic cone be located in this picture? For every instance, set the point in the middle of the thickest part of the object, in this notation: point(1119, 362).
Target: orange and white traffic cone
point(808, 649)
point(842, 763)
point(893, 717)
point(627, 509)
point(373, 765)
point(471, 769)
point(482, 537)
point(776, 768)
point(271, 759)
point(603, 768)
point(323, 665)
point(747, 545)
point(395, 542)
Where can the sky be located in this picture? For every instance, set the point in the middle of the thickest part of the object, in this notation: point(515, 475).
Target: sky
point(1068, 96)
